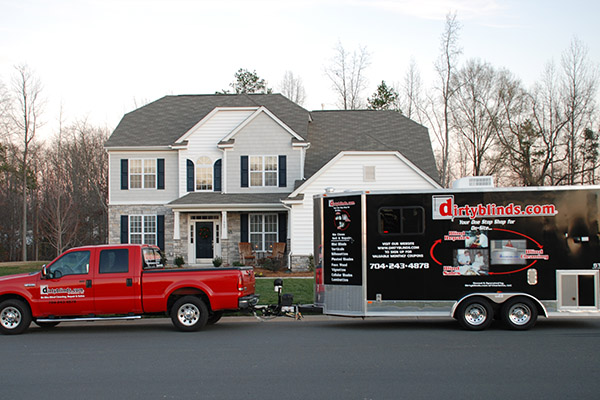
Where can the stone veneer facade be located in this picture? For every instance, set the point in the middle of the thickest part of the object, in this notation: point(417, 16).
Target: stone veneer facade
point(173, 248)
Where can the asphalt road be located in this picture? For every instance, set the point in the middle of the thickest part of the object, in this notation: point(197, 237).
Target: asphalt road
point(316, 358)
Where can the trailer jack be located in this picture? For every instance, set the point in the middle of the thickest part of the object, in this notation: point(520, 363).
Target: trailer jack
point(283, 308)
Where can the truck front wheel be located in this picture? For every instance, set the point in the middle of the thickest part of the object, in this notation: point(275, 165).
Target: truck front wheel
point(189, 314)
point(475, 314)
point(15, 317)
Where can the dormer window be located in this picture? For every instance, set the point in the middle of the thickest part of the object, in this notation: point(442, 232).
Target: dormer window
point(204, 174)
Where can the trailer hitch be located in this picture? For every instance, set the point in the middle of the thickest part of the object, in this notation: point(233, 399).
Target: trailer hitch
point(283, 308)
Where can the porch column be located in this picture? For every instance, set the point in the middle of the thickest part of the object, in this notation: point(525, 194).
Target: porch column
point(224, 229)
point(176, 234)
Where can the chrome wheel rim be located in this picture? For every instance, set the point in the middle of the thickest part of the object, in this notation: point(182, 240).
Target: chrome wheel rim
point(475, 314)
point(11, 317)
point(188, 314)
point(519, 314)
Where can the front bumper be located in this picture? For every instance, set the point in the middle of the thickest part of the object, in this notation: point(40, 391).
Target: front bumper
point(248, 301)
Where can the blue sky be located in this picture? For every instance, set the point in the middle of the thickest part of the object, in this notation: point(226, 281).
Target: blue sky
point(98, 57)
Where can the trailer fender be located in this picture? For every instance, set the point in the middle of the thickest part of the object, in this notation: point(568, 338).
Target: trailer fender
point(500, 298)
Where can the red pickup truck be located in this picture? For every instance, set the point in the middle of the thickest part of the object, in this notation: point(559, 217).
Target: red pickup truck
point(121, 282)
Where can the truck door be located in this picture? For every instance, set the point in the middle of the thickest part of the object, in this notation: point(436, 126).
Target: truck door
point(114, 282)
point(66, 289)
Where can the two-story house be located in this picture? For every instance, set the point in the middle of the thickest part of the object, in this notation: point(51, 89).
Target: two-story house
point(198, 174)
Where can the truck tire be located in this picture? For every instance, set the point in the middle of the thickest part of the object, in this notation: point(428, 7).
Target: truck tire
point(189, 314)
point(519, 313)
point(475, 314)
point(214, 317)
point(15, 317)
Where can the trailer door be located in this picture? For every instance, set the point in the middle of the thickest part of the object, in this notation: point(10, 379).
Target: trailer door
point(578, 289)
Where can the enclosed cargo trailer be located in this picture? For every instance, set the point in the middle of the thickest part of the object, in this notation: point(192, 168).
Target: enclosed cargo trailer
point(508, 253)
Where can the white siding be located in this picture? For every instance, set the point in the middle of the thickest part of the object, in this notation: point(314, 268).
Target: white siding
point(262, 136)
point(203, 140)
point(142, 196)
point(391, 173)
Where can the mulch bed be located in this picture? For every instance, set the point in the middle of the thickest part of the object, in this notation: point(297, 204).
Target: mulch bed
point(261, 272)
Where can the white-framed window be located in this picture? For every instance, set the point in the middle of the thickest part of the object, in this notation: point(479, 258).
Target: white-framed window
point(204, 174)
point(263, 171)
point(142, 173)
point(142, 229)
point(263, 231)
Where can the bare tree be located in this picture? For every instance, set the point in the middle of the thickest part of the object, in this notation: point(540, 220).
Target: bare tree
point(549, 120)
point(445, 68)
point(412, 102)
point(292, 88)
point(25, 118)
point(475, 116)
point(579, 88)
point(347, 75)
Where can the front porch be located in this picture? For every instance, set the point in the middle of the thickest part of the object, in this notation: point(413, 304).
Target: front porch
point(207, 226)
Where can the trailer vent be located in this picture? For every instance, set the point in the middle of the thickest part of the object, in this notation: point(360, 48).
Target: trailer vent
point(474, 182)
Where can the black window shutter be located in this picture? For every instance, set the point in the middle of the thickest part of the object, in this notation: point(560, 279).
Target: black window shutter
point(124, 174)
point(124, 229)
point(217, 176)
point(282, 221)
point(190, 176)
point(244, 171)
point(160, 168)
point(160, 231)
point(282, 171)
point(244, 228)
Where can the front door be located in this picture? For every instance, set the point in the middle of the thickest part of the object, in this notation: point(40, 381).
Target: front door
point(204, 240)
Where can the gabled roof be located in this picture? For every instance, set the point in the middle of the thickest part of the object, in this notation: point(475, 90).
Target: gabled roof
point(165, 120)
point(331, 132)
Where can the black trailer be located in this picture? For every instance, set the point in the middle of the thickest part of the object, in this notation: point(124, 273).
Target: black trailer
point(508, 253)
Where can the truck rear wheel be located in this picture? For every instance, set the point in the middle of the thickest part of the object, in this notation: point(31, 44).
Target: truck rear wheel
point(15, 317)
point(519, 313)
point(189, 314)
point(475, 314)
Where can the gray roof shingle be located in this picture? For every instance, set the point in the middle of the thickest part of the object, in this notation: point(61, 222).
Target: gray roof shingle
point(165, 120)
point(215, 198)
point(331, 132)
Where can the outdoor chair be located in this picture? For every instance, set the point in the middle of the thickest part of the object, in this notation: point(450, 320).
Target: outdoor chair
point(277, 252)
point(246, 252)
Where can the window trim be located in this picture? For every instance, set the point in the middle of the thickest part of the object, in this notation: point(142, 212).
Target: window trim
point(263, 232)
point(143, 232)
point(210, 168)
point(262, 171)
point(143, 174)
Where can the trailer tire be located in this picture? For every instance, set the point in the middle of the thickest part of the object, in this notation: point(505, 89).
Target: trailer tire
point(189, 314)
point(214, 317)
point(519, 313)
point(15, 317)
point(475, 314)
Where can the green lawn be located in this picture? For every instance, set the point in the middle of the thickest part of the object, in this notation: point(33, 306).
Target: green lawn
point(302, 289)
point(20, 267)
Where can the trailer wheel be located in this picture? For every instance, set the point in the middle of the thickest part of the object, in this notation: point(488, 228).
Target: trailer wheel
point(475, 314)
point(189, 314)
point(214, 317)
point(15, 317)
point(519, 313)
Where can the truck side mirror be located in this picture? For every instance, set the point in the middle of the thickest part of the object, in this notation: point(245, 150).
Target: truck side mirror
point(44, 271)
